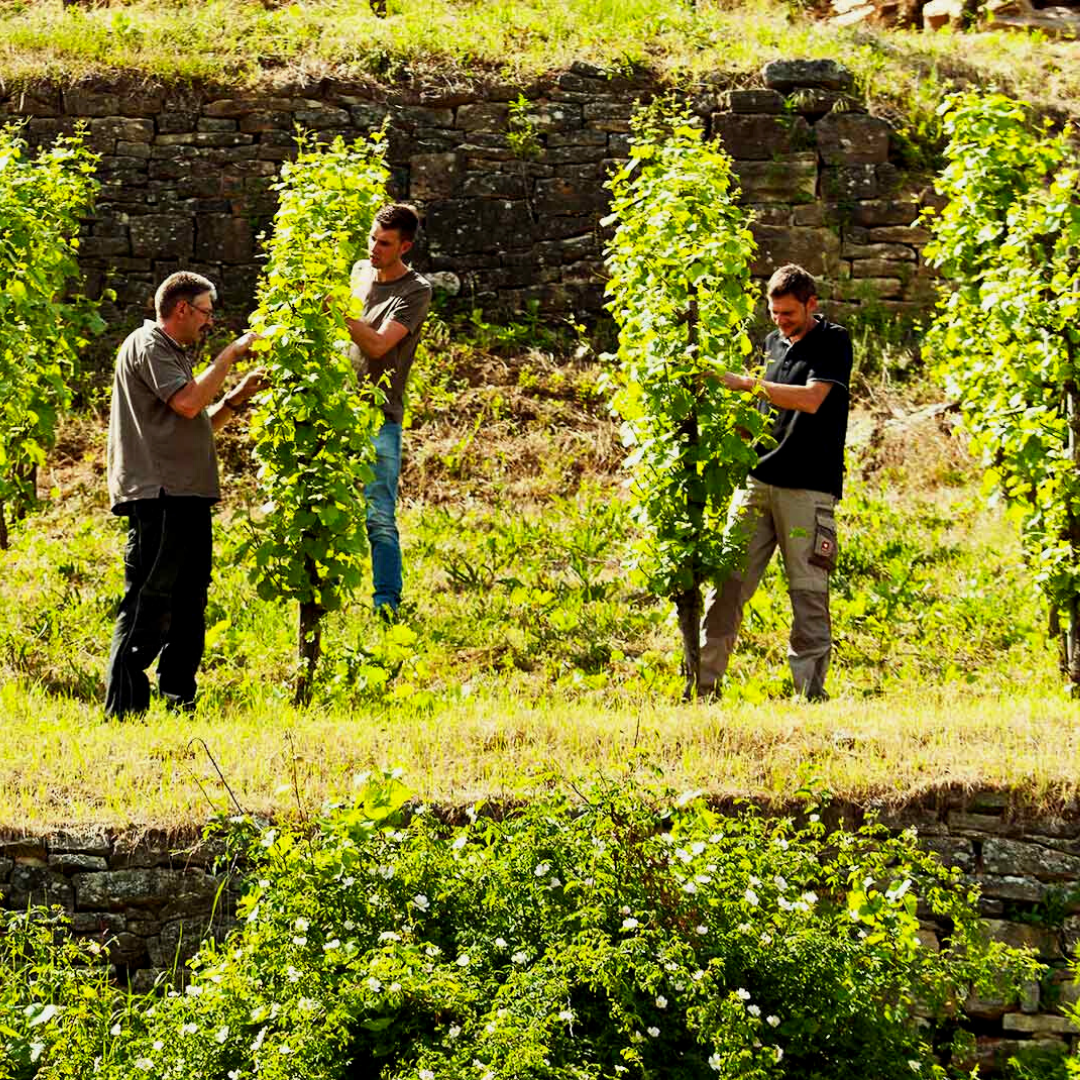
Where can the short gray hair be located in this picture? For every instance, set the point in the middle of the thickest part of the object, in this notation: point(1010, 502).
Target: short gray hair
point(183, 285)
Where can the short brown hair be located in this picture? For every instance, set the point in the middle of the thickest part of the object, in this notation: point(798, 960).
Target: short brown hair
point(402, 217)
point(791, 280)
point(183, 285)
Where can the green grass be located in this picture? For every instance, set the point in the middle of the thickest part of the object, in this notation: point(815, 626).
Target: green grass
point(239, 44)
point(526, 645)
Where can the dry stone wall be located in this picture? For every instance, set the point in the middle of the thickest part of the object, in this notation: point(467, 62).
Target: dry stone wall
point(512, 197)
point(155, 904)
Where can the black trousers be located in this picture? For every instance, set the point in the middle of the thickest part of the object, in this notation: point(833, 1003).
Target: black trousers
point(166, 580)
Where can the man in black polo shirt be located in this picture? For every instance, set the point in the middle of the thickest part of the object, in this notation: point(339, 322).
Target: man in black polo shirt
point(790, 494)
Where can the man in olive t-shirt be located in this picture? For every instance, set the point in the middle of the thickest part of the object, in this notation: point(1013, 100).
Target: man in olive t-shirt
point(163, 477)
point(396, 302)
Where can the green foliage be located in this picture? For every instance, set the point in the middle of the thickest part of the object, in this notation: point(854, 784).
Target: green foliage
point(1006, 341)
point(605, 931)
point(42, 199)
point(312, 435)
point(521, 132)
point(680, 294)
point(56, 1002)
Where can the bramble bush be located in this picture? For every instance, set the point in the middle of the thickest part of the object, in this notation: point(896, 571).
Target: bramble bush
point(680, 293)
point(313, 434)
point(608, 931)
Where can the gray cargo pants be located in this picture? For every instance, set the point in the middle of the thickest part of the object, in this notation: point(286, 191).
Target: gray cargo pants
point(769, 517)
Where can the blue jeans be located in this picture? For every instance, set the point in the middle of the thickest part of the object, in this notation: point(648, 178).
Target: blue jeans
point(381, 496)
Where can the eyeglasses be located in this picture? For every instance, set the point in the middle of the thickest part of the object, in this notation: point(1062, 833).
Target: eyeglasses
point(208, 312)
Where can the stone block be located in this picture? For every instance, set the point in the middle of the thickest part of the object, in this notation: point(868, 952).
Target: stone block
point(120, 889)
point(574, 155)
point(559, 196)
point(787, 75)
point(952, 851)
point(79, 102)
point(870, 288)
point(1042, 941)
point(619, 145)
point(6, 866)
point(123, 128)
point(29, 886)
point(849, 182)
point(492, 185)
point(87, 841)
point(852, 139)
point(818, 250)
point(1007, 887)
point(881, 268)
point(1038, 1024)
point(849, 250)
point(172, 122)
point(132, 149)
point(1014, 857)
point(322, 116)
point(417, 116)
point(38, 101)
point(771, 213)
point(141, 103)
point(752, 101)
point(462, 226)
point(232, 108)
point(900, 234)
point(580, 137)
point(216, 123)
point(761, 138)
point(162, 236)
point(810, 214)
point(75, 862)
point(434, 176)
point(25, 847)
point(482, 116)
point(222, 139)
point(102, 924)
point(788, 180)
point(367, 116)
point(873, 214)
point(224, 238)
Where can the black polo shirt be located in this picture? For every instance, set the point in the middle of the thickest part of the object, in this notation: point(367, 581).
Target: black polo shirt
point(809, 450)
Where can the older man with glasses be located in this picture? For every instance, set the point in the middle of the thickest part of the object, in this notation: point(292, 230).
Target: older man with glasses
point(163, 477)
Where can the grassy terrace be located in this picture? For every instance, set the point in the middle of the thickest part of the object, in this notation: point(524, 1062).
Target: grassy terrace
point(242, 44)
point(526, 649)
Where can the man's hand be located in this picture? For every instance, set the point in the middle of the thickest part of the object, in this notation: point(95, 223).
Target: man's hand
point(734, 381)
point(248, 387)
point(241, 346)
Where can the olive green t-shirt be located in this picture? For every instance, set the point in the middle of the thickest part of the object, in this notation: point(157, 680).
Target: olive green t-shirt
point(153, 450)
point(405, 300)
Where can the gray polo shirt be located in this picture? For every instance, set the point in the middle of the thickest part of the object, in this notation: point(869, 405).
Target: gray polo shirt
point(153, 450)
point(405, 300)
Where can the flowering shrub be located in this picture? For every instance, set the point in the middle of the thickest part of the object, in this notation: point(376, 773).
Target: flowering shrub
point(618, 933)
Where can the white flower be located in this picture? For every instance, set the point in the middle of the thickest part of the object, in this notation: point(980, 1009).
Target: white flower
point(815, 817)
point(566, 1015)
point(778, 1051)
point(661, 1002)
point(188, 1029)
point(349, 924)
point(742, 994)
point(462, 960)
point(194, 990)
point(782, 844)
point(159, 1045)
point(809, 897)
point(146, 1064)
point(653, 1031)
point(542, 869)
point(284, 1049)
point(330, 946)
point(630, 924)
point(554, 883)
point(751, 897)
point(772, 1021)
point(302, 925)
point(683, 855)
point(500, 943)
point(519, 957)
point(702, 930)
point(458, 844)
point(394, 988)
point(454, 1031)
point(766, 939)
point(754, 1010)
point(223, 1034)
point(374, 984)
point(299, 941)
point(421, 902)
point(432, 950)
point(744, 928)
point(781, 884)
point(914, 1065)
point(714, 1062)
point(697, 847)
point(308, 1005)
point(114, 1030)
point(426, 1074)
point(389, 935)
point(689, 887)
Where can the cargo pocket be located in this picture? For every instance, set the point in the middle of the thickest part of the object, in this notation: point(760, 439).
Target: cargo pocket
point(825, 549)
